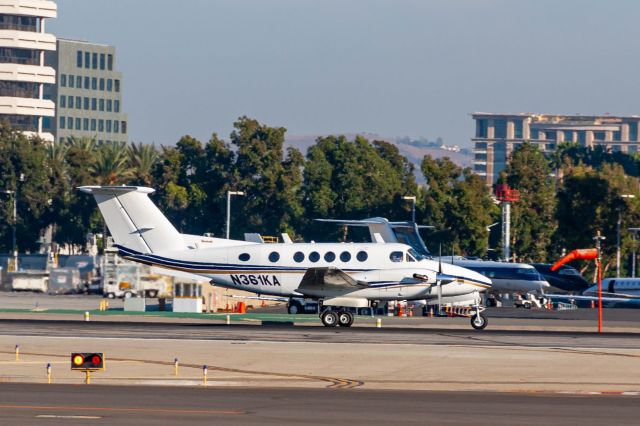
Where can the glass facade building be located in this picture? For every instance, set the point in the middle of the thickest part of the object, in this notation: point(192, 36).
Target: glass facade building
point(25, 78)
point(88, 92)
point(498, 135)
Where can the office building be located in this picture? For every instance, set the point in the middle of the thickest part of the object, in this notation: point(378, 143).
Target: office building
point(498, 135)
point(24, 77)
point(88, 92)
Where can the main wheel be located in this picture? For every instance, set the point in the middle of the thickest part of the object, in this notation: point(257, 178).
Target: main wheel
point(293, 309)
point(345, 318)
point(329, 318)
point(479, 321)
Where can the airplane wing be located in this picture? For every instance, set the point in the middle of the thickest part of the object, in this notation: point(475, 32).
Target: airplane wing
point(329, 280)
point(594, 298)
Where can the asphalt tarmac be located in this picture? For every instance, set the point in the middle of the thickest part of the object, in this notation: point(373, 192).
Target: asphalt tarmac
point(298, 333)
point(32, 404)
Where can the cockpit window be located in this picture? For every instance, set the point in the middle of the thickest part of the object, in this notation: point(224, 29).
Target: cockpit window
point(416, 255)
point(396, 256)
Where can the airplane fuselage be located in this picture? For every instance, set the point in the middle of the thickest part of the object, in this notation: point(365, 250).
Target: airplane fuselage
point(277, 269)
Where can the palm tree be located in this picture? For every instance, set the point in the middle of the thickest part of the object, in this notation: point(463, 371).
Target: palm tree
point(110, 166)
point(142, 159)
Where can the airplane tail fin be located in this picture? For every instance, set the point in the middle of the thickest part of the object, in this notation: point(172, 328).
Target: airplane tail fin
point(133, 220)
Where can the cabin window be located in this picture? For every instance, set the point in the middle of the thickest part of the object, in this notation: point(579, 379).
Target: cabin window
point(329, 256)
point(244, 257)
point(298, 256)
point(395, 256)
point(314, 256)
point(345, 256)
point(362, 256)
point(274, 256)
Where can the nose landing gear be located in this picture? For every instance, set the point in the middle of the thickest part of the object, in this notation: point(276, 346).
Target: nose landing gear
point(479, 320)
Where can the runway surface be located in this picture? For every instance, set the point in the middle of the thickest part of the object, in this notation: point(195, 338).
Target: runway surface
point(28, 404)
point(300, 333)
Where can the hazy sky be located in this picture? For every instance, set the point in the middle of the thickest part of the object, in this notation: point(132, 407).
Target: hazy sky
point(395, 67)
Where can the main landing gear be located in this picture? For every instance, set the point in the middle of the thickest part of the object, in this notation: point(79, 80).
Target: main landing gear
point(332, 318)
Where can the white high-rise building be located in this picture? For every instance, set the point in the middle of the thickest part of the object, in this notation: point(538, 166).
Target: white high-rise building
point(23, 74)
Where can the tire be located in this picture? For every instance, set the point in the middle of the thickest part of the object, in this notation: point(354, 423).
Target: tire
point(152, 294)
point(293, 309)
point(128, 295)
point(345, 319)
point(329, 318)
point(479, 321)
point(111, 296)
point(526, 305)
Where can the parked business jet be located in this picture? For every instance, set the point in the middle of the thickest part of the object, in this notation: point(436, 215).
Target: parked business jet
point(337, 274)
point(506, 277)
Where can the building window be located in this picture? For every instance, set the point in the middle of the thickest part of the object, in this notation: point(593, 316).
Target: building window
point(63, 80)
point(550, 135)
point(632, 149)
point(94, 104)
point(550, 146)
point(617, 135)
point(93, 124)
point(85, 124)
point(481, 128)
point(616, 148)
point(633, 131)
point(124, 127)
point(87, 60)
point(95, 61)
point(500, 129)
point(94, 83)
point(101, 125)
point(110, 85)
point(101, 104)
point(102, 84)
point(62, 122)
point(582, 137)
point(102, 65)
point(63, 101)
point(78, 123)
point(598, 136)
point(72, 80)
point(110, 62)
point(116, 105)
point(568, 136)
point(79, 58)
point(108, 126)
point(480, 167)
point(87, 83)
point(481, 157)
point(116, 126)
point(109, 105)
point(117, 84)
point(78, 102)
point(86, 103)
point(69, 101)
point(517, 129)
point(481, 145)
point(533, 134)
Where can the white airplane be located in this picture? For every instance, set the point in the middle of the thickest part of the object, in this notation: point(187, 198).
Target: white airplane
point(339, 275)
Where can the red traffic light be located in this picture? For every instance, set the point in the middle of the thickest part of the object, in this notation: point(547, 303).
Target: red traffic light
point(87, 361)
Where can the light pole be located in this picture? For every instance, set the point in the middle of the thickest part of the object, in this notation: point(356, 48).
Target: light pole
point(15, 221)
point(628, 196)
point(229, 194)
point(634, 231)
point(413, 208)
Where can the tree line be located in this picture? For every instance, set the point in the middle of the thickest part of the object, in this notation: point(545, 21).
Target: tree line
point(565, 197)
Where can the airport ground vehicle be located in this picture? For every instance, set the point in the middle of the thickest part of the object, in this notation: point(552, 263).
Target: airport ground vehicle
point(64, 281)
point(37, 281)
point(340, 276)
